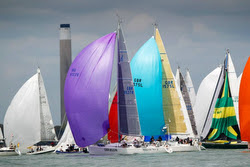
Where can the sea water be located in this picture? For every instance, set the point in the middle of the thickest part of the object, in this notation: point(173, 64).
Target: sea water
point(209, 157)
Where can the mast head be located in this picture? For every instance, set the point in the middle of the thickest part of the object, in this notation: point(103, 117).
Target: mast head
point(38, 70)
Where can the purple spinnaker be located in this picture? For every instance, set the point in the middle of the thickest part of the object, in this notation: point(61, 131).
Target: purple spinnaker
point(86, 91)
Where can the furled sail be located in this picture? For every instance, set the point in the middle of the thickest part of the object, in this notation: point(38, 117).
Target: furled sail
point(147, 76)
point(175, 113)
point(127, 107)
point(86, 92)
point(28, 119)
point(244, 104)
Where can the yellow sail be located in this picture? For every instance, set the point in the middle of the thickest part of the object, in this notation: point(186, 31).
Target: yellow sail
point(173, 115)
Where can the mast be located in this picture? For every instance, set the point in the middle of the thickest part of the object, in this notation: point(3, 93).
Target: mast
point(118, 85)
point(40, 103)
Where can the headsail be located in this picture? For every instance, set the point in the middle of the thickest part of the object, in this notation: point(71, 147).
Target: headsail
point(147, 75)
point(113, 122)
point(47, 126)
point(190, 87)
point(244, 103)
point(66, 139)
point(86, 92)
point(186, 97)
point(233, 84)
point(175, 113)
point(127, 107)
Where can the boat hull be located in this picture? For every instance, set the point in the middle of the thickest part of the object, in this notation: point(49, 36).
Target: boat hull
point(8, 152)
point(208, 145)
point(110, 150)
point(184, 147)
point(44, 151)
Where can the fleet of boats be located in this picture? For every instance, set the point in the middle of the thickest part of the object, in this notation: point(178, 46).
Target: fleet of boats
point(147, 102)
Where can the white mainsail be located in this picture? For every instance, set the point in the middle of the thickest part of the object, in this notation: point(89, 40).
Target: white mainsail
point(204, 97)
point(233, 84)
point(190, 87)
point(28, 119)
point(66, 139)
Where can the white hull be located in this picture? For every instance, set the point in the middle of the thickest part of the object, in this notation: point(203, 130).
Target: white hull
point(6, 151)
point(44, 151)
point(184, 147)
point(111, 149)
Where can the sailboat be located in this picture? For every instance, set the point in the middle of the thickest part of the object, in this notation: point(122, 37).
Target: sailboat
point(28, 119)
point(244, 103)
point(6, 151)
point(87, 97)
point(220, 128)
point(174, 108)
point(187, 99)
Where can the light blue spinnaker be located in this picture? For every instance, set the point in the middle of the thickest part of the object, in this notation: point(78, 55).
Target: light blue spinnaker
point(147, 77)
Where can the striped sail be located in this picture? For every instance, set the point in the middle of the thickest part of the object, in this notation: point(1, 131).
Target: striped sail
point(224, 123)
point(86, 91)
point(244, 103)
point(127, 107)
point(147, 75)
point(172, 108)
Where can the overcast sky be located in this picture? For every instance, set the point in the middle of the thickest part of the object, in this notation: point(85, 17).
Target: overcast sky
point(196, 35)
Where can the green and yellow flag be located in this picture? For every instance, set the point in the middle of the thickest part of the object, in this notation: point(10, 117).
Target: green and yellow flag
point(224, 118)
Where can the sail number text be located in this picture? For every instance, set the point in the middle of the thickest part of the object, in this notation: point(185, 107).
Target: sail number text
point(168, 84)
point(138, 82)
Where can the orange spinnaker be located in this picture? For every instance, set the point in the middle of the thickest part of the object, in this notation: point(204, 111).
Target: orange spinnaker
point(244, 103)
